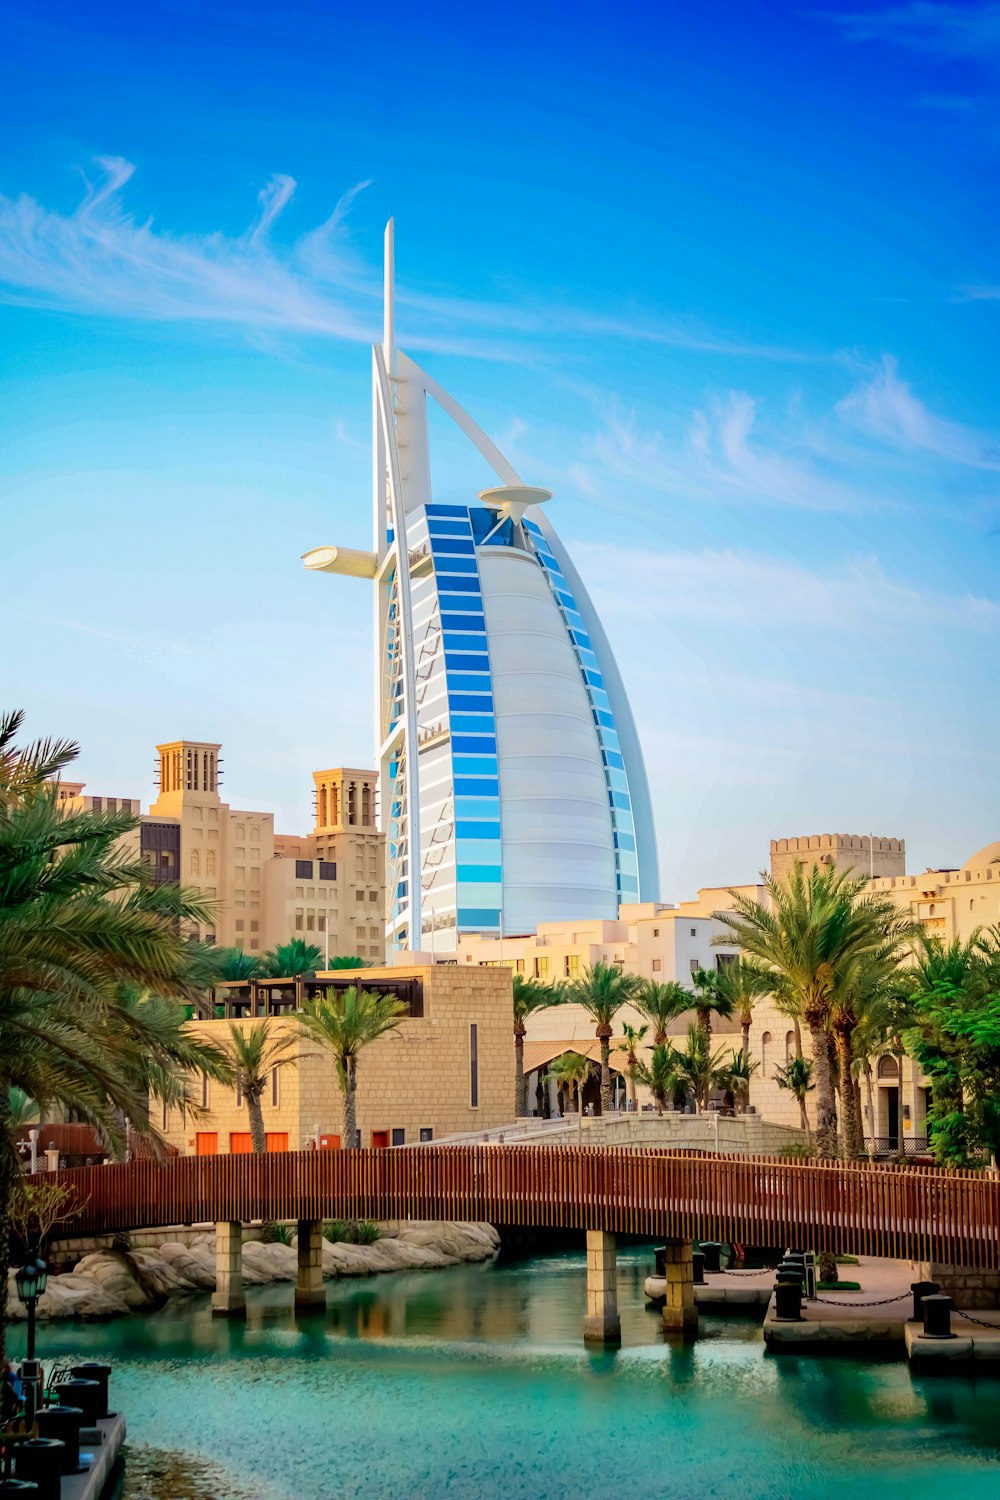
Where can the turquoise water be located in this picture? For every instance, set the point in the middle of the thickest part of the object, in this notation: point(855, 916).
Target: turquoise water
point(474, 1382)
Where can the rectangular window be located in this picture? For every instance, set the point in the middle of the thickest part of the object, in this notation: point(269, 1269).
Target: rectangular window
point(254, 926)
point(97, 804)
point(274, 1087)
point(426, 1132)
point(298, 921)
point(398, 1136)
point(544, 966)
point(239, 924)
point(327, 870)
point(303, 869)
point(321, 922)
point(204, 1090)
point(695, 966)
point(694, 932)
point(474, 1065)
point(311, 922)
point(657, 965)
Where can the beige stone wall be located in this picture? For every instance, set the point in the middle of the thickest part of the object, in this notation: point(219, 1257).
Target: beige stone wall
point(416, 1078)
point(864, 854)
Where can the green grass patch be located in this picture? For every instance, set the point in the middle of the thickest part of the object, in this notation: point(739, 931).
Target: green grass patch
point(847, 1260)
point(838, 1286)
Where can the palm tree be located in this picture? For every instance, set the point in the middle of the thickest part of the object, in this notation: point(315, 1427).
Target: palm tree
point(711, 998)
point(741, 983)
point(796, 1075)
point(700, 1068)
point(814, 926)
point(602, 990)
point(662, 1003)
point(234, 964)
point(289, 960)
point(255, 1053)
point(862, 988)
point(345, 1022)
point(79, 919)
point(633, 1036)
point(738, 1075)
point(661, 1077)
point(346, 961)
point(572, 1069)
point(529, 996)
point(20, 1109)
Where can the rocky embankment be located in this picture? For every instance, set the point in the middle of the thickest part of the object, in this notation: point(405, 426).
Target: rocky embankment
point(112, 1283)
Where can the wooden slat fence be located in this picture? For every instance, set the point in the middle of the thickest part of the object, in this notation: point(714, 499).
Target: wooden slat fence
point(850, 1208)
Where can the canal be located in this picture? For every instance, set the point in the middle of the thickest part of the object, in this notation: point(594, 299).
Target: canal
point(474, 1382)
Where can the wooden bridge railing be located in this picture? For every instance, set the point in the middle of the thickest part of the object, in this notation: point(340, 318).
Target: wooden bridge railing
point(848, 1208)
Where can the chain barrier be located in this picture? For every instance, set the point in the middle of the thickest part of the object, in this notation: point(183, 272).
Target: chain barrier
point(994, 1327)
point(882, 1302)
point(763, 1271)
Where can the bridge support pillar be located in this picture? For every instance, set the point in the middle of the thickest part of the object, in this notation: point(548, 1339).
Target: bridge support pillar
point(228, 1300)
point(309, 1278)
point(602, 1324)
point(680, 1312)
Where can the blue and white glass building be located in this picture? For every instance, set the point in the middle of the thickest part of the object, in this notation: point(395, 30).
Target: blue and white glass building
point(513, 789)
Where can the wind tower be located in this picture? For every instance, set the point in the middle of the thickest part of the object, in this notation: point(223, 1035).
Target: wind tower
point(513, 789)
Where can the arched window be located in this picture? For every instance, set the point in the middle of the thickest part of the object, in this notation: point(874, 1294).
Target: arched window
point(789, 1046)
point(765, 1050)
point(888, 1067)
point(210, 862)
point(195, 862)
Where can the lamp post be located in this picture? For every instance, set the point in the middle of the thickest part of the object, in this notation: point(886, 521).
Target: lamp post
point(31, 1281)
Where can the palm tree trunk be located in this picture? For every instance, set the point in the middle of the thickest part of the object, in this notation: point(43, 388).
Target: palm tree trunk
point(350, 1105)
point(605, 1075)
point(826, 1109)
point(798, 1036)
point(745, 1020)
point(579, 1112)
point(257, 1135)
point(520, 1097)
point(633, 1096)
point(854, 1141)
point(804, 1119)
point(870, 1099)
point(705, 1019)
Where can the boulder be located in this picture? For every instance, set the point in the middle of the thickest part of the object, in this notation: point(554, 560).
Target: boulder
point(263, 1263)
point(196, 1266)
point(112, 1271)
point(69, 1296)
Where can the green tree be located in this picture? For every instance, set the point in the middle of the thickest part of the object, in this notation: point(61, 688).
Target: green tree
point(632, 1037)
point(346, 961)
point(711, 998)
point(740, 984)
point(234, 964)
point(955, 1038)
point(662, 1077)
point(796, 1075)
point(345, 1023)
point(529, 996)
point(813, 928)
point(572, 1070)
point(602, 990)
point(700, 1068)
point(255, 1052)
point(737, 1078)
point(861, 988)
point(289, 960)
point(79, 919)
point(661, 1003)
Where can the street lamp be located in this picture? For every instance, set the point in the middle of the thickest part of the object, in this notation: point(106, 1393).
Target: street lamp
point(31, 1281)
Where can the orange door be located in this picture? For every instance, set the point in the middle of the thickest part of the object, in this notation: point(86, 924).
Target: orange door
point(329, 1143)
point(207, 1143)
point(380, 1140)
point(240, 1143)
point(277, 1140)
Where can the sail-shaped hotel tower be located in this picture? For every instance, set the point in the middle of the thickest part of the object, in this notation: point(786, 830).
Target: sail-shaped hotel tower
point(513, 789)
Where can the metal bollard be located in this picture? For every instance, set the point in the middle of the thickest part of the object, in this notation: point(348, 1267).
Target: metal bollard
point(937, 1317)
point(86, 1394)
point(698, 1260)
point(791, 1273)
point(920, 1290)
point(41, 1461)
point(810, 1275)
point(712, 1251)
point(788, 1301)
point(63, 1422)
point(92, 1369)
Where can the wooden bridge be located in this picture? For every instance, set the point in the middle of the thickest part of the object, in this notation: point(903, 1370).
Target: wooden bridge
point(904, 1212)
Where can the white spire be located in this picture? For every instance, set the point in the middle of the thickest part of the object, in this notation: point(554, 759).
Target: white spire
point(389, 314)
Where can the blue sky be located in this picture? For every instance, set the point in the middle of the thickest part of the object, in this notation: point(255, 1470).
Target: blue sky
point(724, 277)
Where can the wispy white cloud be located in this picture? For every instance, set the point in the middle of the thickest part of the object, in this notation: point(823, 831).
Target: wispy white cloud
point(720, 456)
point(100, 258)
point(928, 26)
point(751, 590)
point(886, 408)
